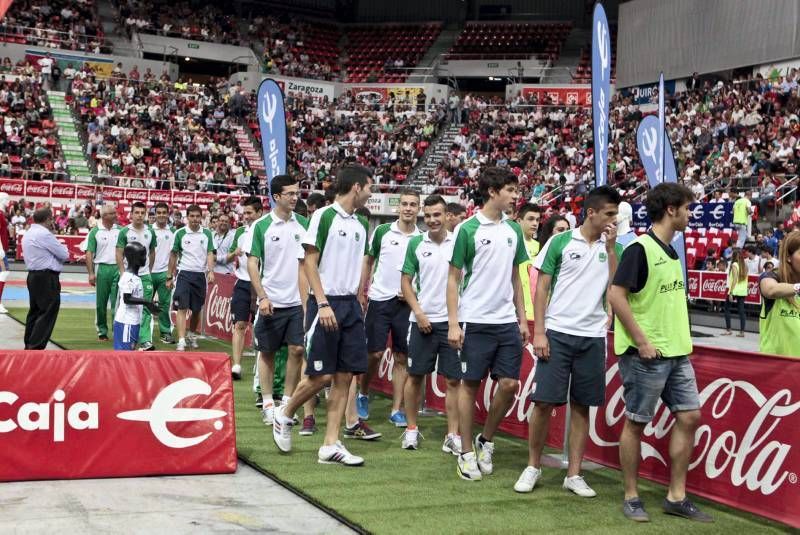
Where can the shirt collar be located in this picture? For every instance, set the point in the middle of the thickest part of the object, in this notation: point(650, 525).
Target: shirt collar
point(576, 235)
point(342, 212)
point(395, 227)
point(483, 220)
point(276, 219)
point(427, 237)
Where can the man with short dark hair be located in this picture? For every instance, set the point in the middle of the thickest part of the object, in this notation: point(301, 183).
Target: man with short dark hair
point(314, 202)
point(528, 218)
point(454, 215)
point(164, 234)
point(653, 342)
point(223, 240)
point(140, 232)
point(44, 258)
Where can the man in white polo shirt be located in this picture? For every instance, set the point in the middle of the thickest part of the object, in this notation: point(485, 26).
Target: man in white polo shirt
point(274, 263)
point(571, 321)
point(101, 264)
point(336, 348)
point(193, 255)
point(424, 285)
point(387, 311)
point(223, 245)
point(487, 319)
point(165, 235)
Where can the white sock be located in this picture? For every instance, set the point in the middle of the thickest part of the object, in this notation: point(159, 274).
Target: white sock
point(285, 400)
point(394, 412)
point(181, 340)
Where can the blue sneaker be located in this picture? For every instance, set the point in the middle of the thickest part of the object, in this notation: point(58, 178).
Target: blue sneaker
point(399, 419)
point(362, 405)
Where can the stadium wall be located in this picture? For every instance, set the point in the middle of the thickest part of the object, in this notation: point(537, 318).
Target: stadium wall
point(158, 44)
point(680, 37)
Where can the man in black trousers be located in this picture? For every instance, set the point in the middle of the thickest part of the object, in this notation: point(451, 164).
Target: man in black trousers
point(44, 258)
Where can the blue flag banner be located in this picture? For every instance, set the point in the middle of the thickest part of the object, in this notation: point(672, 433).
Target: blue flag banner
point(601, 91)
point(647, 143)
point(272, 123)
point(661, 132)
point(701, 215)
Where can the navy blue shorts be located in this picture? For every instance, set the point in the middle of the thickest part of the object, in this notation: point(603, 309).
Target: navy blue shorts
point(283, 328)
point(125, 336)
point(242, 302)
point(342, 350)
point(577, 363)
point(383, 318)
point(190, 291)
point(495, 347)
point(424, 350)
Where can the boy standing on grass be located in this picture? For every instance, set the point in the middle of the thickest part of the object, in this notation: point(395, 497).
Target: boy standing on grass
point(128, 317)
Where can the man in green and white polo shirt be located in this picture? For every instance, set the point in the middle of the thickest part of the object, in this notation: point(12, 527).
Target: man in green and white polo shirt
point(193, 256)
point(101, 264)
point(387, 311)
point(424, 284)
point(335, 245)
point(140, 232)
point(487, 317)
point(164, 236)
point(274, 263)
point(242, 310)
point(569, 337)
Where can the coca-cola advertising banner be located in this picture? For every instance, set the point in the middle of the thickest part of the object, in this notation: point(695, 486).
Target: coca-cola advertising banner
point(37, 189)
point(62, 191)
point(14, 188)
point(73, 243)
point(570, 95)
point(713, 286)
point(701, 215)
point(217, 318)
point(89, 414)
point(744, 455)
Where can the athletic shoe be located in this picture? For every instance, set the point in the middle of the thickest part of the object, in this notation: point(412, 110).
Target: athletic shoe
point(686, 509)
point(527, 479)
point(309, 426)
point(338, 454)
point(259, 400)
point(3, 310)
point(398, 419)
point(102, 338)
point(268, 414)
point(484, 453)
point(282, 431)
point(147, 346)
point(633, 509)
point(192, 339)
point(167, 339)
point(181, 345)
point(361, 431)
point(577, 485)
point(236, 372)
point(362, 406)
point(410, 439)
point(467, 467)
point(452, 444)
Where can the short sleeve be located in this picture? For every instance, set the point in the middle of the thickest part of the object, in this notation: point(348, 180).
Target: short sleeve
point(374, 249)
point(210, 247)
point(551, 257)
point(521, 255)
point(461, 248)
point(257, 241)
point(176, 243)
point(153, 238)
point(236, 236)
point(632, 271)
point(122, 239)
point(91, 245)
point(411, 263)
point(316, 233)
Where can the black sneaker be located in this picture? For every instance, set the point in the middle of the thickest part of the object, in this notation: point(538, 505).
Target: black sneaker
point(633, 509)
point(102, 338)
point(167, 339)
point(686, 509)
point(147, 346)
point(361, 431)
point(259, 401)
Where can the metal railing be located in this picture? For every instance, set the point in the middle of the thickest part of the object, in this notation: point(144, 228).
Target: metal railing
point(50, 37)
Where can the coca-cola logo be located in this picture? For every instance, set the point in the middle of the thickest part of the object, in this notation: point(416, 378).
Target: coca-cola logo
point(694, 283)
point(183, 197)
point(714, 285)
point(114, 194)
point(38, 189)
point(753, 458)
point(12, 188)
point(218, 310)
point(160, 196)
point(63, 191)
point(137, 194)
point(85, 192)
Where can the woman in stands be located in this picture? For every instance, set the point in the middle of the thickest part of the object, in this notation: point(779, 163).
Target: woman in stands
point(555, 225)
point(737, 291)
point(779, 322)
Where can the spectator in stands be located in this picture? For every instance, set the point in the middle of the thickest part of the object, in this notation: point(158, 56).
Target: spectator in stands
point(752, 260)
point(556, 224)
point(766, 256)
point(766, 195)
point(742, 209)
point(737, 291)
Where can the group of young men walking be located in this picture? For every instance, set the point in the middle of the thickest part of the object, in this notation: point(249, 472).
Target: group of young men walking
point(455, 299)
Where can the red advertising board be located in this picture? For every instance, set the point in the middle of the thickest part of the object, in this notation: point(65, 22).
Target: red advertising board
point(713, 286)
point(60, 190)
point(745, 452)
point(159, 195)
point(204, 197)
point(73, 244)
point(113, 194)
point(37, 189)
point(185, 197)
point(85, 191)
point(217, 318)
point(135, 194)
point(570, 95)
point(14, 188)
point(150, 414)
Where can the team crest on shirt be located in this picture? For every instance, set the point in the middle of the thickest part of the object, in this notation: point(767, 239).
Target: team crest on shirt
point(509, 242)
point(602, 256)
point(358, 236)
point(297, 237)
point(426, 253)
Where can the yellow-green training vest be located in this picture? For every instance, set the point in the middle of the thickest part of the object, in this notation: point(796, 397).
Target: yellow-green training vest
point(532, 246)
point(739, 286)
point(779, 328)
point(660, 307)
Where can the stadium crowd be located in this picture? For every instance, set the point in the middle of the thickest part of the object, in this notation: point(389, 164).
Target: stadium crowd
point(63, 24)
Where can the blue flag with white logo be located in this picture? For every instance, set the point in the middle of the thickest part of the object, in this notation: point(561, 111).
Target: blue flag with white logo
point(601, 92)
point(662, 131)
point(647, 141)
point(272, 123)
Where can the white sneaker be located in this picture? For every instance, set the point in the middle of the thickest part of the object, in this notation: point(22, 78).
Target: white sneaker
point(181, 345)
point(236, 372)
point(338, 454)
point(3, 310)
point(282, 431)
point(527, 480)
point(410, 439)
point(484, 452)
point(577, 485)
point(467, 467)
point(192, 339)
point(452, 444)
point(268, 414)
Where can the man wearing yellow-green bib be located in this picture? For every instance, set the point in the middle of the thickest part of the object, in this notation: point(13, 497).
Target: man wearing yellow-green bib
point(528, 218)
point(779, 322)
point(653, 342)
